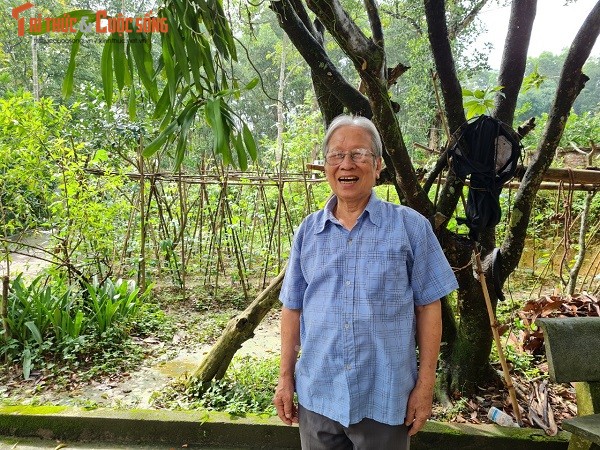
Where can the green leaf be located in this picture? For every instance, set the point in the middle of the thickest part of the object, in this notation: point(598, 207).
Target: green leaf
point(207, 60)
point(35, 332)
point(119, 60)
point(178, 46)
point(131, 104)
point(27, 363)
point(249, 142)
point(195, 56)
point(99, 156)
point(163, 104)
point(252, 84)
point(238, 143)
point(471, 103)
point(185, 119)
point(140, 48)
point(153, 147)
point(106, 72)
point(169, 69)
point(67, 86)
point(214, 119)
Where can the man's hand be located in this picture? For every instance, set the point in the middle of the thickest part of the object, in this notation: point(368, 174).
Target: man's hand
point(284, 401)
point(418, 409)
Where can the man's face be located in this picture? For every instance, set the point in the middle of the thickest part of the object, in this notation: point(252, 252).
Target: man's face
point(352, 181)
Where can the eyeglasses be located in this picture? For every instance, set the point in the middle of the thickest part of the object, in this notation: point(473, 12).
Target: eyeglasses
point(360, 155)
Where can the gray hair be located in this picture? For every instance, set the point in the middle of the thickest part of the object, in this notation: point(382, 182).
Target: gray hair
point(354, 121)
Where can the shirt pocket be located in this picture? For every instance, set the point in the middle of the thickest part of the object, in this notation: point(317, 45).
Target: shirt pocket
point(387, 283)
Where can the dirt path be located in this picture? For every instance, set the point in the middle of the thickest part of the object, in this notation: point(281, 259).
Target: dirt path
point(26, 261)
point(135, 390)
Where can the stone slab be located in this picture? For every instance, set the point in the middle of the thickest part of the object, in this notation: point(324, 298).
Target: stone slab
point(588, 427)
point(572, 348)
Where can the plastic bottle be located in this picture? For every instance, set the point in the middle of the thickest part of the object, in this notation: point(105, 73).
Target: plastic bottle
point(501, 418)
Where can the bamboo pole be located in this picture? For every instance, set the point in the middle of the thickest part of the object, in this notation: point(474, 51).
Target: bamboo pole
point(183, 214)
point(494, 324)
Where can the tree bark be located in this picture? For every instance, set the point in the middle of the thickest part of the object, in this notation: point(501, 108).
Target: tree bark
point(514, 58)
point(238, 330)
point(280, 103)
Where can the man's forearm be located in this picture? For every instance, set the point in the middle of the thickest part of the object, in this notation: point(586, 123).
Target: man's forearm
point(429, 335)
point(290, 341)
point(290, 346)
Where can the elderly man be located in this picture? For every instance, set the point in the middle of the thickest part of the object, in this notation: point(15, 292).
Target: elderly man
point(361, 291)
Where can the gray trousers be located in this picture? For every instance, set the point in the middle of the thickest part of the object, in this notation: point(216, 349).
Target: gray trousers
point(318, 432)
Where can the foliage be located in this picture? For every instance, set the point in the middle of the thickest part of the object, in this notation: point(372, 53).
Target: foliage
point(196, 45)
point(480, 101)
point(581, 130)
point(521, 362)
point(213, 325)
point(28, 136)
point(539, 86)
point(113, 303)
point(52, 320)
point(450, 413)
point(89, 214)
point(533, 80)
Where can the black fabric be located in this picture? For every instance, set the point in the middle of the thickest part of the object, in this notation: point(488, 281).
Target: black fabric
point(487, 151)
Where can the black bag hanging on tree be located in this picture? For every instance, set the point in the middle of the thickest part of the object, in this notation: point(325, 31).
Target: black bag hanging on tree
point(487, 151)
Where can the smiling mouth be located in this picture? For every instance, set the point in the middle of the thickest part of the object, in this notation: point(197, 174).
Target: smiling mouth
point(348, 180)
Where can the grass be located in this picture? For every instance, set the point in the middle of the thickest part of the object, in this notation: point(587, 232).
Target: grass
point(247, 387)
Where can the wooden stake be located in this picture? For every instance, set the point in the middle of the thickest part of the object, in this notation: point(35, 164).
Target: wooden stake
point(494, 324)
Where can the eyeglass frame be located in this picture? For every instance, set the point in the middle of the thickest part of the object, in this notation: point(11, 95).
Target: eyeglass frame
point(353, 154)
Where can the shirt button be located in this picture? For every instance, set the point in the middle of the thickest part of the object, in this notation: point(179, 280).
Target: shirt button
point(348, 283)
point(348, 367)
point(349, 241)
point(346, 325)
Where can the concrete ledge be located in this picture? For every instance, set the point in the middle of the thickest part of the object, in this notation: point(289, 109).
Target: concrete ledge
point(191, 428)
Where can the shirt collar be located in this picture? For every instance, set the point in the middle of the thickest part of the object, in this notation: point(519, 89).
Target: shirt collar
point(372, 211)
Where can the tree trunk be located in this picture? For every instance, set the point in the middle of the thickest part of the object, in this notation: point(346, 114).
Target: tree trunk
point(280, 103)
point(34, 68)
point(238, 330)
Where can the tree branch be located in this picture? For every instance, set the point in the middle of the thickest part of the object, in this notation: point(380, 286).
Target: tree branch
point(514, 59)
point(375, 22)
point(322, 69)
point(347, 34)
point(451, 93)
point(467, 20)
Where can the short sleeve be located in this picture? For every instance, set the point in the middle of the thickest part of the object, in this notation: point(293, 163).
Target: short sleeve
point(294, 284)
point(431, 274)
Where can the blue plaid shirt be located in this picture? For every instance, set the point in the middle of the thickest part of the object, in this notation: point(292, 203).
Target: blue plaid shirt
point(357, 291)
